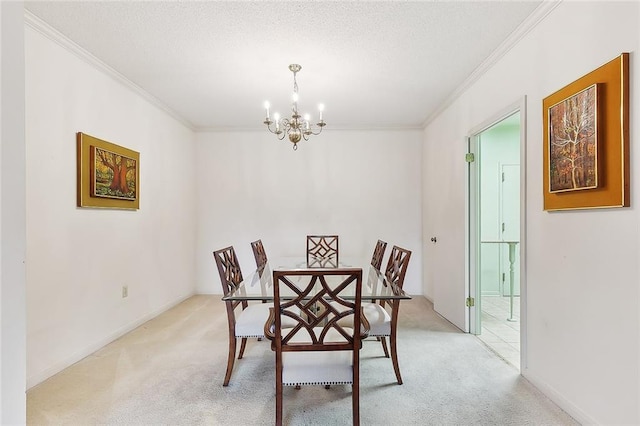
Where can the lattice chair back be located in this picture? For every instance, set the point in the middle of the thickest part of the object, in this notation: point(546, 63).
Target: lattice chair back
point(228, 268)
point(322, 251)
point(378, 254)
point(259, 253)
point(397, 265)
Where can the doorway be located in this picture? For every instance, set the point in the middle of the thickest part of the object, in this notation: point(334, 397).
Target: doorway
point(494, 237)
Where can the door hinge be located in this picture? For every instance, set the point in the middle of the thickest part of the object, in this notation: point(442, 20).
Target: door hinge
point(470, 302)
point(503, 176)
point(469, 157)
point(502, 226)
point(503, 277)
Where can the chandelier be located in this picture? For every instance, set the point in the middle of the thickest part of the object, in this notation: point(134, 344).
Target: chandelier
point(295, 127)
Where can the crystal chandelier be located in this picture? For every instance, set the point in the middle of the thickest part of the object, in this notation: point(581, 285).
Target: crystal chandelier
point(295, 127)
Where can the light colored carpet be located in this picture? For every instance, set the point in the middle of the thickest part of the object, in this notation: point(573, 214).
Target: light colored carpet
point(169, 371)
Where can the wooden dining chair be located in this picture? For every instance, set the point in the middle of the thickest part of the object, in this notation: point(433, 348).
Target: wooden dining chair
point(322, 248)
point(244, 320)
point(259, 253)
point(317, 350)
point(378, 254)
point(383, 315)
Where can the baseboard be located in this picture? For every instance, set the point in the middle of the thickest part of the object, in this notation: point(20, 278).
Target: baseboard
point(550, 392)
point(89, 349)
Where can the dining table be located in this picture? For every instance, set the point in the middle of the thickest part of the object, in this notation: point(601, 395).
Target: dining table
point(258, 285)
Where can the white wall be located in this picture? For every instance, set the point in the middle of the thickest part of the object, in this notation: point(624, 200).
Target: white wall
point(12, 217)
point(361, 185)
point(78, 259)
point(582, 301)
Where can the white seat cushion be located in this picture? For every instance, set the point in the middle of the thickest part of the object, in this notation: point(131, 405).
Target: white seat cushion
point(317, 367)
point(379, 319)
point(250, 321)
point(288, 322)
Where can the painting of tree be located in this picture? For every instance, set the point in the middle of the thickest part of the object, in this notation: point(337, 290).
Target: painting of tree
point(573, 148)
point(114, 175)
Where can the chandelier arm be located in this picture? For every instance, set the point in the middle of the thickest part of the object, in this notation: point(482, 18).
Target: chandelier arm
point(316, 133)
point(279, 133)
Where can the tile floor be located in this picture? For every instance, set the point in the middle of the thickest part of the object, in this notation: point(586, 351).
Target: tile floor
point(502, 336)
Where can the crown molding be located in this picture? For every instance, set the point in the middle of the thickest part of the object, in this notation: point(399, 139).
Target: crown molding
point(51, 33)
point(518, 34)
point(333, 128)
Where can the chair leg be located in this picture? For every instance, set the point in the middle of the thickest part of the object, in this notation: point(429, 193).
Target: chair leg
point(355, 388)
point(278, 399)
point(242, 346)
point(394, 357)
point(383, 340)
point(355, 395)
point(230, 360)
point(356, 405)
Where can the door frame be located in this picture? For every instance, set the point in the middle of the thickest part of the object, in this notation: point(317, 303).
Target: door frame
point(471, 218)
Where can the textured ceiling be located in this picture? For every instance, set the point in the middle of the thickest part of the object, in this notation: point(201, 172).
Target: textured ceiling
point(373, 64)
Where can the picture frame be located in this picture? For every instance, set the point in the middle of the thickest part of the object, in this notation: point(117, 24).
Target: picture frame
point(573, 142)
point(108, 175)
point(586, 141)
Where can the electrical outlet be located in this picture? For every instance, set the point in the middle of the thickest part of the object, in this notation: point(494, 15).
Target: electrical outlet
point(125, 291)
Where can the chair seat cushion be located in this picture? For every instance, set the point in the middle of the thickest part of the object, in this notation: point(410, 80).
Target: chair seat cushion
point(317, 367)
point(378, 317)
point(250, 321)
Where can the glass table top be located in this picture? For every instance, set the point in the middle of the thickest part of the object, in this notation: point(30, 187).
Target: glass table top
point(259, 284)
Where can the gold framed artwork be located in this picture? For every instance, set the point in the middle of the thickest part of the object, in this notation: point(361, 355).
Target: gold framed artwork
point(573, 142)
point(108, 174)
point(586, 141)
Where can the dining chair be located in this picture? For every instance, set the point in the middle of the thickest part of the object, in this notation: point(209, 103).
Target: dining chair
point(378, 254)
point(246, 322)
point(317, 350)
point(322, 248)
point(259, 253)
point(383, 315)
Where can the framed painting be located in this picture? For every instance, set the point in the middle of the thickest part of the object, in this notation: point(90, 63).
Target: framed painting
point(586, 141)
point(108, 174)
point(573, 142)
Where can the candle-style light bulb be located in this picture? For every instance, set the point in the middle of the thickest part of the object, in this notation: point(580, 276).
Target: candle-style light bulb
point(306, 121)
point(276, 118)
point(321, 108)
point(266, 106)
